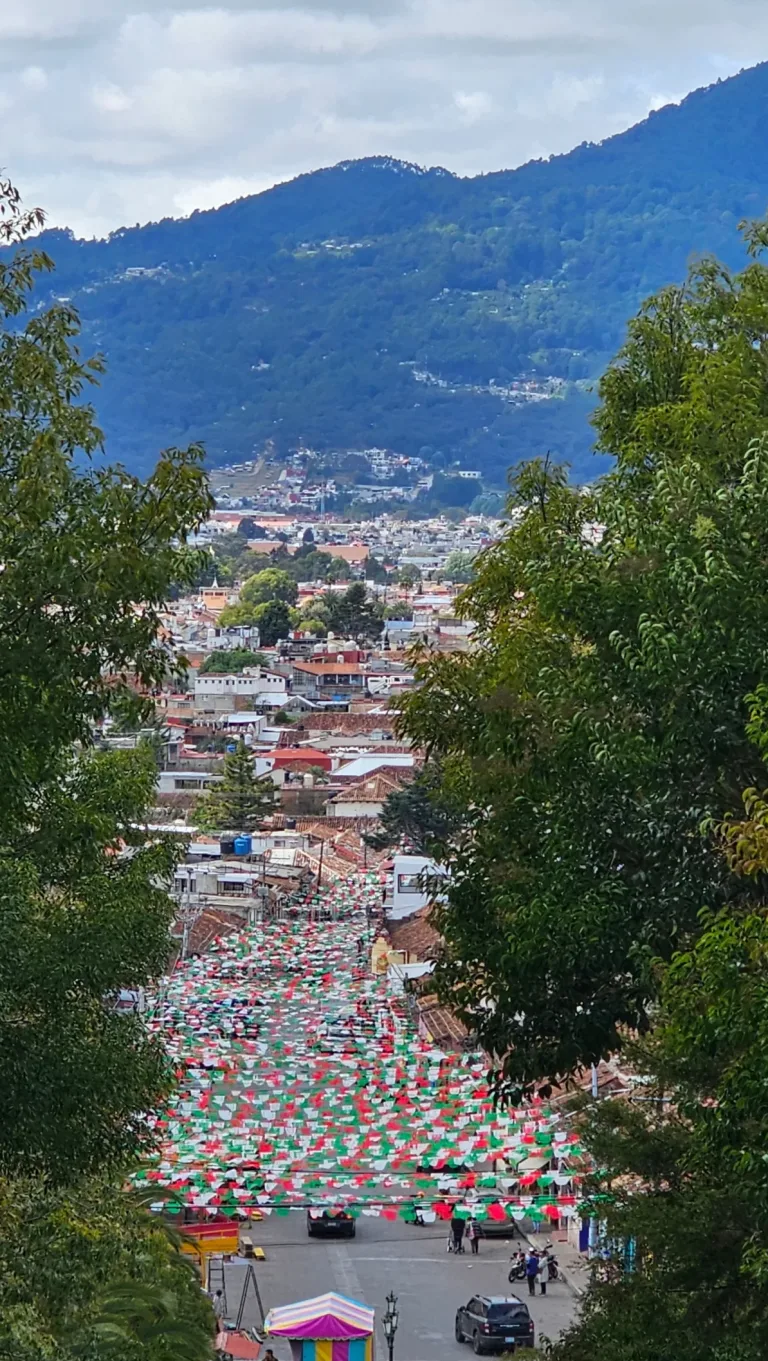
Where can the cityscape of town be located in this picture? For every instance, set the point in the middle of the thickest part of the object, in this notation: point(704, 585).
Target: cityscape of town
point(384, 702)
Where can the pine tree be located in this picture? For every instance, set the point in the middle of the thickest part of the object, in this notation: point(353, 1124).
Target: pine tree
point(241, 801)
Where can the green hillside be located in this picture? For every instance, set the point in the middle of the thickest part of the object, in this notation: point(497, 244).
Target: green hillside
point(379, 303)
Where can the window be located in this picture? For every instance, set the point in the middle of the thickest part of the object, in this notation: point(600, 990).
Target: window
point(409, 883)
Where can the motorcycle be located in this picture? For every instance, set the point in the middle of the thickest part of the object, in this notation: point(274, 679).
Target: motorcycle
point(517, 1269)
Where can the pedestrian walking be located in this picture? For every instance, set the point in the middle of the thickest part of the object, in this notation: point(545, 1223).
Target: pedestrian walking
point(532, 1270)
point(473, 1234)
point(457, 1229)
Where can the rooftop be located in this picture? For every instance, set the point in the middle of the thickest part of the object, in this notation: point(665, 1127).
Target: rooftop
point(375, 790)
point(363, 766)
point(329, 668)
point(415, 935)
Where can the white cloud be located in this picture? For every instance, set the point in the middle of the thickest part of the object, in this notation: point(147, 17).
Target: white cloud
point(111, 99)
point(473, 106)
point(125, 110)
point(34, 78)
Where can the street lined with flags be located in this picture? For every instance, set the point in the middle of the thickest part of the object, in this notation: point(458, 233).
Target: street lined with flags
point(301, 1081)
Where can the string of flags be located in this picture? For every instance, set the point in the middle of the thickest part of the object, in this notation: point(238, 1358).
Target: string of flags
point(301, 1080)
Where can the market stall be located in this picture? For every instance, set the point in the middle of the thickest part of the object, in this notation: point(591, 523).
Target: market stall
point(328, 1328)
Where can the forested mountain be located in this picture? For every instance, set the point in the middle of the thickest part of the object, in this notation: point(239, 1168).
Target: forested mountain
point(380, 303)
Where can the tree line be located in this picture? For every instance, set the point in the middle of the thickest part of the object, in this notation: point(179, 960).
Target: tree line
point(86, 1270)
point(596, 772)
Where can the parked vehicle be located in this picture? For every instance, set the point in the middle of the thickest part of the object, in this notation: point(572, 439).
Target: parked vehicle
point(330, 1222)
point(517, 1267)
point(494, 1228)
point(495, 1323)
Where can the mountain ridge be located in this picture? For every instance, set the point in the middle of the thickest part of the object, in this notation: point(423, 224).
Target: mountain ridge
point(309, 310)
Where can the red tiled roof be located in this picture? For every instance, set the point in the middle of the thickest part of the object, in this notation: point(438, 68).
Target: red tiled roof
point(440, 1021)
point(287, 756)
point(416, 935)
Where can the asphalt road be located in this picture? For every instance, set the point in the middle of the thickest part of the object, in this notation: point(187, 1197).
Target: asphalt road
point(430, 1283)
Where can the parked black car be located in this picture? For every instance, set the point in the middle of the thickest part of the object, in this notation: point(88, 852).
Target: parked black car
point(494, 1228)
point(495, 1323)
point(339, 1223)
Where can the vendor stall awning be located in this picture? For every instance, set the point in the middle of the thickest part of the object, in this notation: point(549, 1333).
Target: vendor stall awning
point(325, 1317)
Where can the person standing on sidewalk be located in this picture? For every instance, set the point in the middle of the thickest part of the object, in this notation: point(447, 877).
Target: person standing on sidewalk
point(473, 1234)
point(532, 1270)
point(543, 1272)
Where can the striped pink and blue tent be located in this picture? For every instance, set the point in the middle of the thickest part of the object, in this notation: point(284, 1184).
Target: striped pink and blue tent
point(328, 1328)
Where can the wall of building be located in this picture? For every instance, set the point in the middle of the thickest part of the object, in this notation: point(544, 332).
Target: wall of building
point(407, 896)
point(351, 809)
point(262, 682)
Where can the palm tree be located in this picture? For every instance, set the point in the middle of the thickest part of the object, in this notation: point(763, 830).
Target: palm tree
point(133, 1313)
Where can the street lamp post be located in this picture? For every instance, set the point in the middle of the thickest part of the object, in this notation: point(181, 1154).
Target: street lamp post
point(390, 1321)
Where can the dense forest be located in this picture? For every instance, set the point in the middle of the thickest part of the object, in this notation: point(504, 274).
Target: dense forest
point(380, 303)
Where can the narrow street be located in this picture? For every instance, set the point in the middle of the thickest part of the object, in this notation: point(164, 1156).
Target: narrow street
point(302, 1082)
point(429, 1282)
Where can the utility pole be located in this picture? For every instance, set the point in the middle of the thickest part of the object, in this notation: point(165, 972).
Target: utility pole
point(592, 1242)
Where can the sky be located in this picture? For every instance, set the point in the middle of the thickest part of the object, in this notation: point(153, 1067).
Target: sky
point(123, 111)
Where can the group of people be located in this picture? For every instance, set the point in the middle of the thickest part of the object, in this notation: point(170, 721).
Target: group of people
point(537, 1264)
point(460, 1227)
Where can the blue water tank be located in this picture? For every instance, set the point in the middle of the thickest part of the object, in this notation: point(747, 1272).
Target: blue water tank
point(243, 845)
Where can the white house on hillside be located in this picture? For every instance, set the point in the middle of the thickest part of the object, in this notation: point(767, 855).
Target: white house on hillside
point(224, 694)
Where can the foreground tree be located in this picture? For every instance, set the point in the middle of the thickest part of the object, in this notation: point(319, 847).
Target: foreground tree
point(89, 556)
point(602, 718)
point(241, 802)
point(684, 1184)
point(87, 1271)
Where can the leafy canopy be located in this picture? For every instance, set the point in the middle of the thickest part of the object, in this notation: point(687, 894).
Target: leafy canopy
point(353, 614)
point(89, 556)
point(88, 1272)
point(221, 663)
point(603, 716)
point(683, 1175)
point(271, 584)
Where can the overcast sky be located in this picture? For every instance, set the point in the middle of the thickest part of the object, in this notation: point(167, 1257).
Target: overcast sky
point(120, 111)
